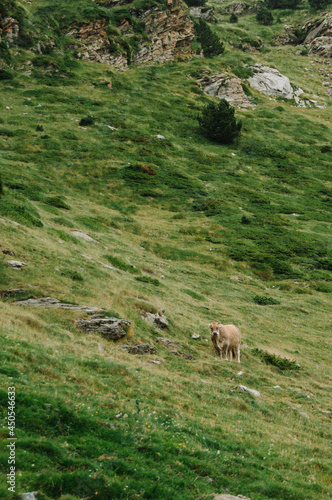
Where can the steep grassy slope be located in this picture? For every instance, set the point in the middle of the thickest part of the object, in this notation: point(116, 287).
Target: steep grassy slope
point(219, 230)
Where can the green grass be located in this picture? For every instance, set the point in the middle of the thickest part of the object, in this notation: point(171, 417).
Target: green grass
point(190, 228)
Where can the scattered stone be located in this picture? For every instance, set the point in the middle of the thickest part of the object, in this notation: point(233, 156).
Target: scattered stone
point(240, 8)
point(304, 415)
point(166, 342)
point(105, 457)
point(251, 391)
point(225, 87)
point(183, 355)
point(236, 278)
point(17, 264)
point(8, 251)
point(155, 361)
point(8, 221)
point(84, 236)
point(276, 387)
point(159, 136)
point(295, 389)
point(327, 411)
point(204, 381)
point(109, 328)
point(29, 496)
point(139, 348)
point(195, 336)
point(240, 373)
point(111, 128)
point(51, 303)
point(158, 321)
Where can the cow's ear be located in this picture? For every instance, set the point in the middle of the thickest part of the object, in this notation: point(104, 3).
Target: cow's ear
point(210, 324)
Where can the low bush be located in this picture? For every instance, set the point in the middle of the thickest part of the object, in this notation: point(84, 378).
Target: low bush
point(147, 279)
point(218, 122)
point(271, 359)
point(264, 16)
point(87, 121)
point(233, 18)
point(265, 301)
point(121, 264)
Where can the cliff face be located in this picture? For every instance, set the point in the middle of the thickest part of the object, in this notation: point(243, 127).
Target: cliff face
point(167, 33)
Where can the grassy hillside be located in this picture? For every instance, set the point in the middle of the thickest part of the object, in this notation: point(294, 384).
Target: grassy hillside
point(240, 234)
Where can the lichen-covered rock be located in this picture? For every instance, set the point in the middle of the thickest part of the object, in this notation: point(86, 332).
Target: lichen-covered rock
point(158, 321)
point(140, 348)
point(205, 13)
point(225, 87)
point(169, 33)
point(109, 328)
point(51, 303)
point(271, 82)
point(319, 35)
point(9, 29)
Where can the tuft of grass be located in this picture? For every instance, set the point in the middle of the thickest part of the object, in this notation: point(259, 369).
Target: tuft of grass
point(147, 279)
point(121, 264)
point(265, 301)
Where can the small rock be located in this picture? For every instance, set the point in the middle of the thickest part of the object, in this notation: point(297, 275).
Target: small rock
point(84, 236)
point(139, 348)
point(155, 362)
point(230, 497)
point(109, 328)
point(29, 496)
point(251, 391)
point(183, 355)
point(159, 136)
point(295, 389)
point(195, 336)
point(327, 411)
point(240, 373)
point(158, 321)
point(16, 264)
point(276, 387)
point(303, 414)
point(112, 128)
point(100, 349)
point(7, 251)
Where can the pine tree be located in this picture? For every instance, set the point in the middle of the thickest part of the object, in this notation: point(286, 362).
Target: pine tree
point(209, 41)
point(218, 122)
point(264, 16)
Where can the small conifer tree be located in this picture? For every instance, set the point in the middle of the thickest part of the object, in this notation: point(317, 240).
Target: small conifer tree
point(209, 41)
point(233, 18)
point(319, 4)
point(264, 16)
point(218, 122)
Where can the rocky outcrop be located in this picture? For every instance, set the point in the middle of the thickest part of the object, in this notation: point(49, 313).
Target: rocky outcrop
point(109, 328)
point(226, 87)
point(51, 303)
point(168, 33)
point(158, 321)
point(240, 8)
point(271, 82)
point(173, 348)
point(205, 13)
point(319, 35)
point(9, 29)
point(139, 348)
point(16, 264)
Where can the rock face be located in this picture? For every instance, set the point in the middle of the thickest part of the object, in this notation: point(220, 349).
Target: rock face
point(251, 391)
point(159, 321)
point(271, 82)
point(16, 264)
point(51, 303)
point(225, 87)
point(205, 13)
point(319, 35)
point(170, 33)
point(9, 29)
point(240, 8)
point(109, 328)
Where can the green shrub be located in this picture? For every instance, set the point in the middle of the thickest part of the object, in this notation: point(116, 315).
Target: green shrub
point(265, 301)
point(282, 4)
point(319, 4)
point(147, 279)
point(72, 274)
point(57, 201)
point(323, 287)
point(209, 41)
point(264, 16)
point(6, 74)
point(217, 122)
point(233, 18)
point(121, 264)
point(87, 121)
point(271, 359)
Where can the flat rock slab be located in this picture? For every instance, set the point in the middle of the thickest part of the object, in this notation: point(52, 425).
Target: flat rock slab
point(271, 82)
point(140, 348)
point(84, 236)
point(16, 263)
point(109, 328)
point(51, 303)
point(251, 391)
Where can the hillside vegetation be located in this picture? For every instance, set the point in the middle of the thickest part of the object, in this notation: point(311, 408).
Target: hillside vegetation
point(237, 233)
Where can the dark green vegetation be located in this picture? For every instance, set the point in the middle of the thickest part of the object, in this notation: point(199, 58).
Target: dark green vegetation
point(210, 42)
point(237, 233)
point(218, 122)
point(264, 16)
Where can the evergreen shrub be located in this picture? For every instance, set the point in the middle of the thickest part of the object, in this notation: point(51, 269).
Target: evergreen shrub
point(210, 42)
point(264, 16)
point(233, 18)
point(218, 122)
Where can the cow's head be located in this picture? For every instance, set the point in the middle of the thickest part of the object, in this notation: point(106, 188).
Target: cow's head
point(214, 329)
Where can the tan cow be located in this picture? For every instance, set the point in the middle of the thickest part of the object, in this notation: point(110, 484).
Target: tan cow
point(226, 339)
